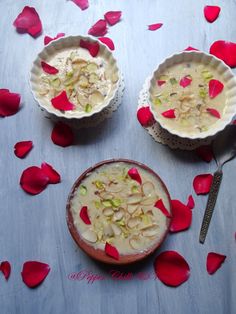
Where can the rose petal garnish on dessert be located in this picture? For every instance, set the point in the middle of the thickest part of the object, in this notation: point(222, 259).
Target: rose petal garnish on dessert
point(62, 134)
point(108, 42)
point(214, 112)
point(48, 39)
point(154, 27)
point(134, 174)
point(171, 268)
point(34, 273)
point(170, 114)
point(191, 203)
point(82, 4)
point(160, 205)
point(215, 88)
point(84, 215)
point(214, 262)
point(34, 180)
point(181, 216)
point(226, 51)
point(111, 251)
point(61, 102)
point(5, 268)
point(53, 175)
point(28, 21)
point(9, 103)
point(47, 68)
point(21, 149)
point(98, 29)
point(189, 48)
point(113, 17)
point(202, 183)
point(145, 117)
point(92, 47)
point(185, 81)
point(211, 12)
point(205, 152)
point(160, 82)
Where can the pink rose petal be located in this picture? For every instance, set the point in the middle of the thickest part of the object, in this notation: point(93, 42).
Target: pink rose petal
point(92, 47)
point(62, 135)
point(34, 273)
point(84, 215)
point(205, 153)
point(9, 103)
point(113, 17)
point(21, 149)
point(202, 183)
point(214, 262)
point(185, 81)
point(145, 117)
point(191, 203)
point(214, 112)
point(98, 29)
point(226, 51)
point(171, 268)
point(215, 87)
point(211, 12)
point(5, 268)
point(154, 27)
point(112, 251)
point(33, 180)
point(160, 82)
point(51, 173)
point(82, 4)
point(134, 174)
point(160, 205)
point(48, 39)
point(47, 68)
point(189, 48)
point(108, 42)
point(170, 114)
point(181, 216)
point(61, 102)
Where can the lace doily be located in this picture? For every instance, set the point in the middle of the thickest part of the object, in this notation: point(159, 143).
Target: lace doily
point(96, 118)
point(161, 135)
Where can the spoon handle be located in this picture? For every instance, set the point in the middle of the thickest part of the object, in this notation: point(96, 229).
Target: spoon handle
point(210, 204)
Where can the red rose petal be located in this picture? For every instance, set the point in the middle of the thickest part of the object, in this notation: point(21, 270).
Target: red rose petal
point(108, 42)
point(202, 183)
point(21, 149)
point(185, 81)
point(62, 135)
point(134, 174)
point(169, 114)
point(226, 51)
point(28, 21)
point(189, 48)
point(51, 173)
point(181, 216)
point(83, 4)
point(160, 82)
point(205, 153)
point(215, 88)
point(112, 251)
point(9, 103)
point(34, 273)
point(61, 102)
point(48, 68)
point(160, 205)
point(191, 203)
point(84, 215)
point(234, 122)
point(211, 12)
point(113, 17)
point(154, 27)
point(99, 28)
point(33, 180)
point(5, 268)
point(92, 47)
point(48, 39)
point(214, 112)
point(214, 262)
point(171, 268)
point(145, 117)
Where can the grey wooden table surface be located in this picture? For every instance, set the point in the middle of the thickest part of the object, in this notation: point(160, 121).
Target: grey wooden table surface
point(34, 227)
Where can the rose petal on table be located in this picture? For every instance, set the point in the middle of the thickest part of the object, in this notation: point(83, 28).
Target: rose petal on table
point(5, 268)
point(185, 81)
point(224, 50)
point(99, 28)
point(84, 215)
point(51, 173)
point(181, 216)
point(134, 174)
point(170, 114)
point(92, 47)
point(34, 273)
point(28, 21)
point(48, 39)
point(82, 4)
point(154, 27)
point(189, 48)
point(214, 262)
point(160, 82)
point(112, 17)
point(108, 42)
point(214, 112)
point(21, 149)
point(205, 152)
point(61, 102)
point(112, 251)
point(202, 183)
point(190, 203)
point(145, 117)
point(33, 180)
point(211, 12)
point(160, 205)
point(171, 268)
point(47, 68)
point(215, 87)
point(62, 134)
point(9, 103)
point(234, 122)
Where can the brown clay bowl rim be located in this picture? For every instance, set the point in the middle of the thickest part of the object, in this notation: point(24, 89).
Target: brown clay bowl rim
point(99, 254)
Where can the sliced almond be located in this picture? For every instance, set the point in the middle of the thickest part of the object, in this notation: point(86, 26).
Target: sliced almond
point(114, 77)
point(108, 212)
point(90, 236)
point(92, 67)
point(105, 195)
point(96, 98)
point(148, 189)
point(82, 100)
point(83, 81)
point(116, 229)
point(107, 230)
point(118, 215)
point(134, 199)
point(131, 209)
point(133, 222)
point(93, 78)
point(149, 200)
point(135, 243)
point(150, 231)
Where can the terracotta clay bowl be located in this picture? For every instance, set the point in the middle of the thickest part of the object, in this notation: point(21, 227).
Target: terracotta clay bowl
point(99, 254)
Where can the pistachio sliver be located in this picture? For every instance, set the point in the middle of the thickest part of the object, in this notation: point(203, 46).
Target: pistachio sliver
point(88, 108)
point(107, 203)
point(56, 82)
point(83, 190)
point(173, 81)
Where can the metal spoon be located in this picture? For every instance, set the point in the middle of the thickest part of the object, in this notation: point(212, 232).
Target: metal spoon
point(224, 149)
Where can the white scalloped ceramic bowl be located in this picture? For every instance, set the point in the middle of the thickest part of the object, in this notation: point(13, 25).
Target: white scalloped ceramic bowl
point(227, 77)
point(48, 53)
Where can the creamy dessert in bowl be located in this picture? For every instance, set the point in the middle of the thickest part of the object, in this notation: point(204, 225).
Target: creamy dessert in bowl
point(192, 95)
point(119, 211)
point(74, 77)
